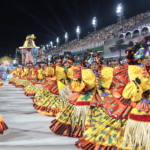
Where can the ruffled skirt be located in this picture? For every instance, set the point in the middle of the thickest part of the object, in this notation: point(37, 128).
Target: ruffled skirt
point(68, 124)
point(48, 103)
point(3, 126)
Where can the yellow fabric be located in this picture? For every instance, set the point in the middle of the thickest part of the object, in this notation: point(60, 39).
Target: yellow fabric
point(107, 76)
point(31, 43)
point(60, 85)
point(70, 73)
point(1, 117)
point(41, 74)
point(136, 72)
point(48, 100)
point(60, 73)
point(77, 86)
point(33, 75)
point(32, 36)
point(130, 92)
point(18, 71)
point(135, 111)
point(49, 71)
point(89, 78)
point(25, 72)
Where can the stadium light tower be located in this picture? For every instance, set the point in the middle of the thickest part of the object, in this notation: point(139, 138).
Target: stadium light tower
point(78, 31)
point(57, 41)
point(120, 13)
point(51, 43)
point(94, 23)
point(66, 37)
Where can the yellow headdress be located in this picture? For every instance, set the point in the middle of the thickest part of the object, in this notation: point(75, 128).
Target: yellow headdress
point(32, 36)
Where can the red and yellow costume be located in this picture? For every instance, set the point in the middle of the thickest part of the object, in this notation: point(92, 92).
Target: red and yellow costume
point(78, 114)
point(3, 126)
point(38, 77)
point(48, 101)
point(108, 131)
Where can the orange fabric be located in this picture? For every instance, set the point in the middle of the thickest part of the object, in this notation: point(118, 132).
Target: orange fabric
point(65, 129)
point(73, 98)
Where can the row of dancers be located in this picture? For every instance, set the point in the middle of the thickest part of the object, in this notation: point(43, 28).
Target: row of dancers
point(106, 108)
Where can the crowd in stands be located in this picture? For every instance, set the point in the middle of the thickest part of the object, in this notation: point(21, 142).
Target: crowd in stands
point(99, 37)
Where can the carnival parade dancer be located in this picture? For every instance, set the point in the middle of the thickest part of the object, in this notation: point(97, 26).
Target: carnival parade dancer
point(16, 74)
point(3, 126)
point(50, 101)
point(137, 132)
point(127, 129)
point(37, 78)
point(1, 84)
point(86, 85)
point(21, 77)
point(24, 77)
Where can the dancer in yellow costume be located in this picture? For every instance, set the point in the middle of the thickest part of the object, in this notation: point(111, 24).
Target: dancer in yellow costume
point(33, 80)
point(86, 85)
point(48, 101)
point(25, 77)
point(137, 131)
point(16, 75)
point(3, 126)
point(113, 131)
point(1, 84)
point(33, 88)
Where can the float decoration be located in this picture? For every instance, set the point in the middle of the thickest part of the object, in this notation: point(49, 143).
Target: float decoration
point(5, 61)
point(29, 45)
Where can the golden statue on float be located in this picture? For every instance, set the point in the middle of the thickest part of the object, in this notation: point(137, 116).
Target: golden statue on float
point(29, 44)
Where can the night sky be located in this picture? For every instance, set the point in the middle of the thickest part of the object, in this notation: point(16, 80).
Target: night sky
point(48, 19)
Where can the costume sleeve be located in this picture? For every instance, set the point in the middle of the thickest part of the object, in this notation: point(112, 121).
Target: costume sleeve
point(107, 76)
point(49, 71)
point(133, 92)
point(40, 74)
point(60, 73)
point(70, 73)
point(23, 73)
point(88, 78)
point(77, 85)
point(134, 89)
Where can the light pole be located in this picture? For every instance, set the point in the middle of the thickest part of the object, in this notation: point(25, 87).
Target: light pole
point(51, 43)
point(57, 41)
point(47, 46)
point(119, 13)
point(94, 23)
point(66, 37)
point(78, 31)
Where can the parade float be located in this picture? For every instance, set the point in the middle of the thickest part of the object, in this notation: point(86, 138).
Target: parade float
point(6, 66)
point(29, 50)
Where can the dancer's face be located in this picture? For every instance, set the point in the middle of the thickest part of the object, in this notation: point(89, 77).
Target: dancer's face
point(94, 66)
point(67, 65)
point(146, 61)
